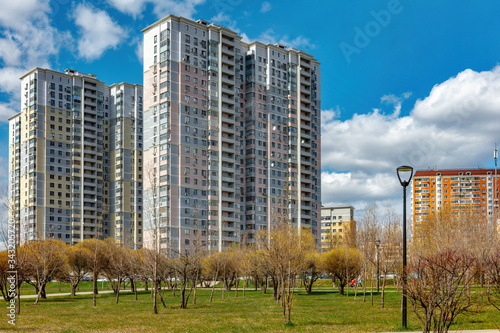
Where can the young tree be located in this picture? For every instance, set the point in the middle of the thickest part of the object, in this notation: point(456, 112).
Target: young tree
point(285, 252)
point(187, 266)
point(118, 266)
point(46, 259)
point(152, 219)
point(492, 269)
point(390, 249)
point(79, 259)
point(437, 287)
point(4, 268)
point(135, 269)
point(367, 233)
point(99, 259)
point(212, 267)
point(312, 272)
point(341, 267)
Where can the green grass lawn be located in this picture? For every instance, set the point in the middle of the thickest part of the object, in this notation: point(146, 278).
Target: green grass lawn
point(323, 311)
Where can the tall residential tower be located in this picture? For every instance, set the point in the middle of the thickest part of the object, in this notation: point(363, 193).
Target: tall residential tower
point(231, 129)
point(75, 154)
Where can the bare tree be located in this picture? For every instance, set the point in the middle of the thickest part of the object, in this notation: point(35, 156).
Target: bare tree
point(118, 266)
point(79, 259)
point(46, 259)
point(436, 287)
point(367, 233)
point(390, 249)
point(135, 269)
point(492, 269)
point(98, 260)
point(285, 252)
point(312, 272)
point(188, 267)
point(152, 214)
point(4, 269)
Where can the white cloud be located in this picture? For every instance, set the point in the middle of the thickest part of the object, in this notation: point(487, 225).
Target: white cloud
point(139, 50)
point(16, 14)
point(129, 7)
point(299, 42)
point(27, 40)
point(185, 8)
point(396, 100)
point(221, 18)
point(455, 126)
point(161, 8)
point(7, 110)
point(266, 6)
point(245, 38)
point(98, 31)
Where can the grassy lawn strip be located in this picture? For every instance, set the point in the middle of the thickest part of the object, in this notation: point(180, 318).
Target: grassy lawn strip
point(323, 311)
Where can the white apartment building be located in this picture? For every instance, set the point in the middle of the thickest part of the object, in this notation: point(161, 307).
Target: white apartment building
point(230, 130)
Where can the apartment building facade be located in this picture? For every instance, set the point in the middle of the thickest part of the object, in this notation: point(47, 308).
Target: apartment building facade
point(453, 190)
point(337, 226)
point(74, 158)
point(230, 130)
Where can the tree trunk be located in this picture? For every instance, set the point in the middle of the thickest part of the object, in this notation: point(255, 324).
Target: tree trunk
point(73, 289)
point(43, 293)
point(38, 295)
point(94, 289)
point(371, 290)
point(195, 282)
point(364, 282)
point(356, 288)
point(223, 287)
point(236, 287)
point(146, 284)
point(382, 296)
point(162, 292)
point(135, 290)
point(118, 289)
point(213, 289)
point(183, 296)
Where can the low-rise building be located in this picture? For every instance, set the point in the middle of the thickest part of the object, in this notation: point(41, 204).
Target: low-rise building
point(337, 226)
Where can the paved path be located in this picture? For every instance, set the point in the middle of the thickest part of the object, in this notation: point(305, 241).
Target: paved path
point(78, 293)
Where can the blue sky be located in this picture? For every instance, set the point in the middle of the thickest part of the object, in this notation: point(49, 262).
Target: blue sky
point(403, 82)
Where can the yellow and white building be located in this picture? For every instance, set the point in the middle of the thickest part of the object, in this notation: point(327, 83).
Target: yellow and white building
point(75, 159)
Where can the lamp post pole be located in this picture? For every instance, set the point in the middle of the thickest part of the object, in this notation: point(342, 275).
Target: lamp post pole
point(404, 182)
point(404, 258)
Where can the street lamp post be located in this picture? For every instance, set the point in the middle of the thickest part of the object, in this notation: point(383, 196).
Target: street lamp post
point(377, 243)
point(404, 174)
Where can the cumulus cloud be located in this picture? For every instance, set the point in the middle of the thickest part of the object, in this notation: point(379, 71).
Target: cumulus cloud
point(299, 42)
point(139, 50)
point(7, 110)
point(266, 6)
point(98, 31)
point(27, 40)
point(16, 14)
point(161, 8)
point(455, 126)
point(129, 7)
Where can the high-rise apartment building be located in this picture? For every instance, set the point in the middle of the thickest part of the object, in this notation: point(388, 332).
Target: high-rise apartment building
point(436, 190)
point(75, 159)
point(337, 226)
point(231, 128)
